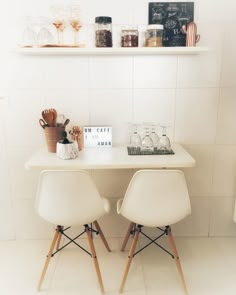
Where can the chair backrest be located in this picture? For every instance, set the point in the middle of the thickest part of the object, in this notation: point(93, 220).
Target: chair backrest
point(156, 198)
point(68, 198)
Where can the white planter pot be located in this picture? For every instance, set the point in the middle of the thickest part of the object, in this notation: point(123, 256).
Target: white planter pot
point(67, 151)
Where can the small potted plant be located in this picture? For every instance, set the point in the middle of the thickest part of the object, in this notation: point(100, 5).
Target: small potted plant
point(67, 149)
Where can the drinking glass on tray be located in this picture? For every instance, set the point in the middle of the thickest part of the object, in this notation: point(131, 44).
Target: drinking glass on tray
point(135, 140)
point(155, 137)
point(147, 142)
point(164, 141)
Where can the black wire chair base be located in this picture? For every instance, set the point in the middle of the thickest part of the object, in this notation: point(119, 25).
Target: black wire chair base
point(152, 241)
point(72, 240)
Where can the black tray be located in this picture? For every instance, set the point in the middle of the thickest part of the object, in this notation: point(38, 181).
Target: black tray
point(137, 151)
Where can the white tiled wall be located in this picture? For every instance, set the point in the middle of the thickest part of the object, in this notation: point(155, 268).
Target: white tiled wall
point(195, 95)
point(196, 115)
point(226, 124)
point(154, 68)
point(200, 179)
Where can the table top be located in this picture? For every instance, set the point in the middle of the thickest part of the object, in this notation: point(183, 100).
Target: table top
point(110, 158)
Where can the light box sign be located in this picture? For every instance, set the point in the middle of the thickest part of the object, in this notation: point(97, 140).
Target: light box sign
point(97, 136)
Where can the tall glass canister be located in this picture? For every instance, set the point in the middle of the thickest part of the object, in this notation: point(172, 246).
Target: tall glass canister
point(103, 31)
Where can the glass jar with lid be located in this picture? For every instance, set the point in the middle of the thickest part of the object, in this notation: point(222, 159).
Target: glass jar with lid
point(103, 31)
point(153, 36)
point(129, 36)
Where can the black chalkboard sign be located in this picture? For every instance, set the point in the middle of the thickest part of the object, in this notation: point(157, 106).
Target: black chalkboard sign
point(173, 15)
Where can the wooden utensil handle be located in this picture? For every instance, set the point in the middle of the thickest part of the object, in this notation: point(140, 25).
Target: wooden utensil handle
point(67, 121)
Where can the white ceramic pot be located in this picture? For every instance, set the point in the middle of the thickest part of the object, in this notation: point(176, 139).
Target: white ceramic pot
point(67, 151)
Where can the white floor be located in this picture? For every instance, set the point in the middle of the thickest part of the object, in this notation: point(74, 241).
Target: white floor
point(209, 265)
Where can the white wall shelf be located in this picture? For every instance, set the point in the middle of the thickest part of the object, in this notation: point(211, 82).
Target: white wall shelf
point(112, 51)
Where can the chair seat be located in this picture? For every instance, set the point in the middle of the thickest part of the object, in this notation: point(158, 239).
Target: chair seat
point(76, 217)
point(161, 221)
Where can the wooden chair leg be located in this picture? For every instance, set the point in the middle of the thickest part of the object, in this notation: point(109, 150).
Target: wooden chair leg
point(177, 260)
point(102, 235)
point(49, 255)
point(95, 261)
point(130, 257)
point(59, 240)
point(127, 236)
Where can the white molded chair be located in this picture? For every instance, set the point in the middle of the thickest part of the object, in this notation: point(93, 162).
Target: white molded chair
point(70, 198)
point(154, 198)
